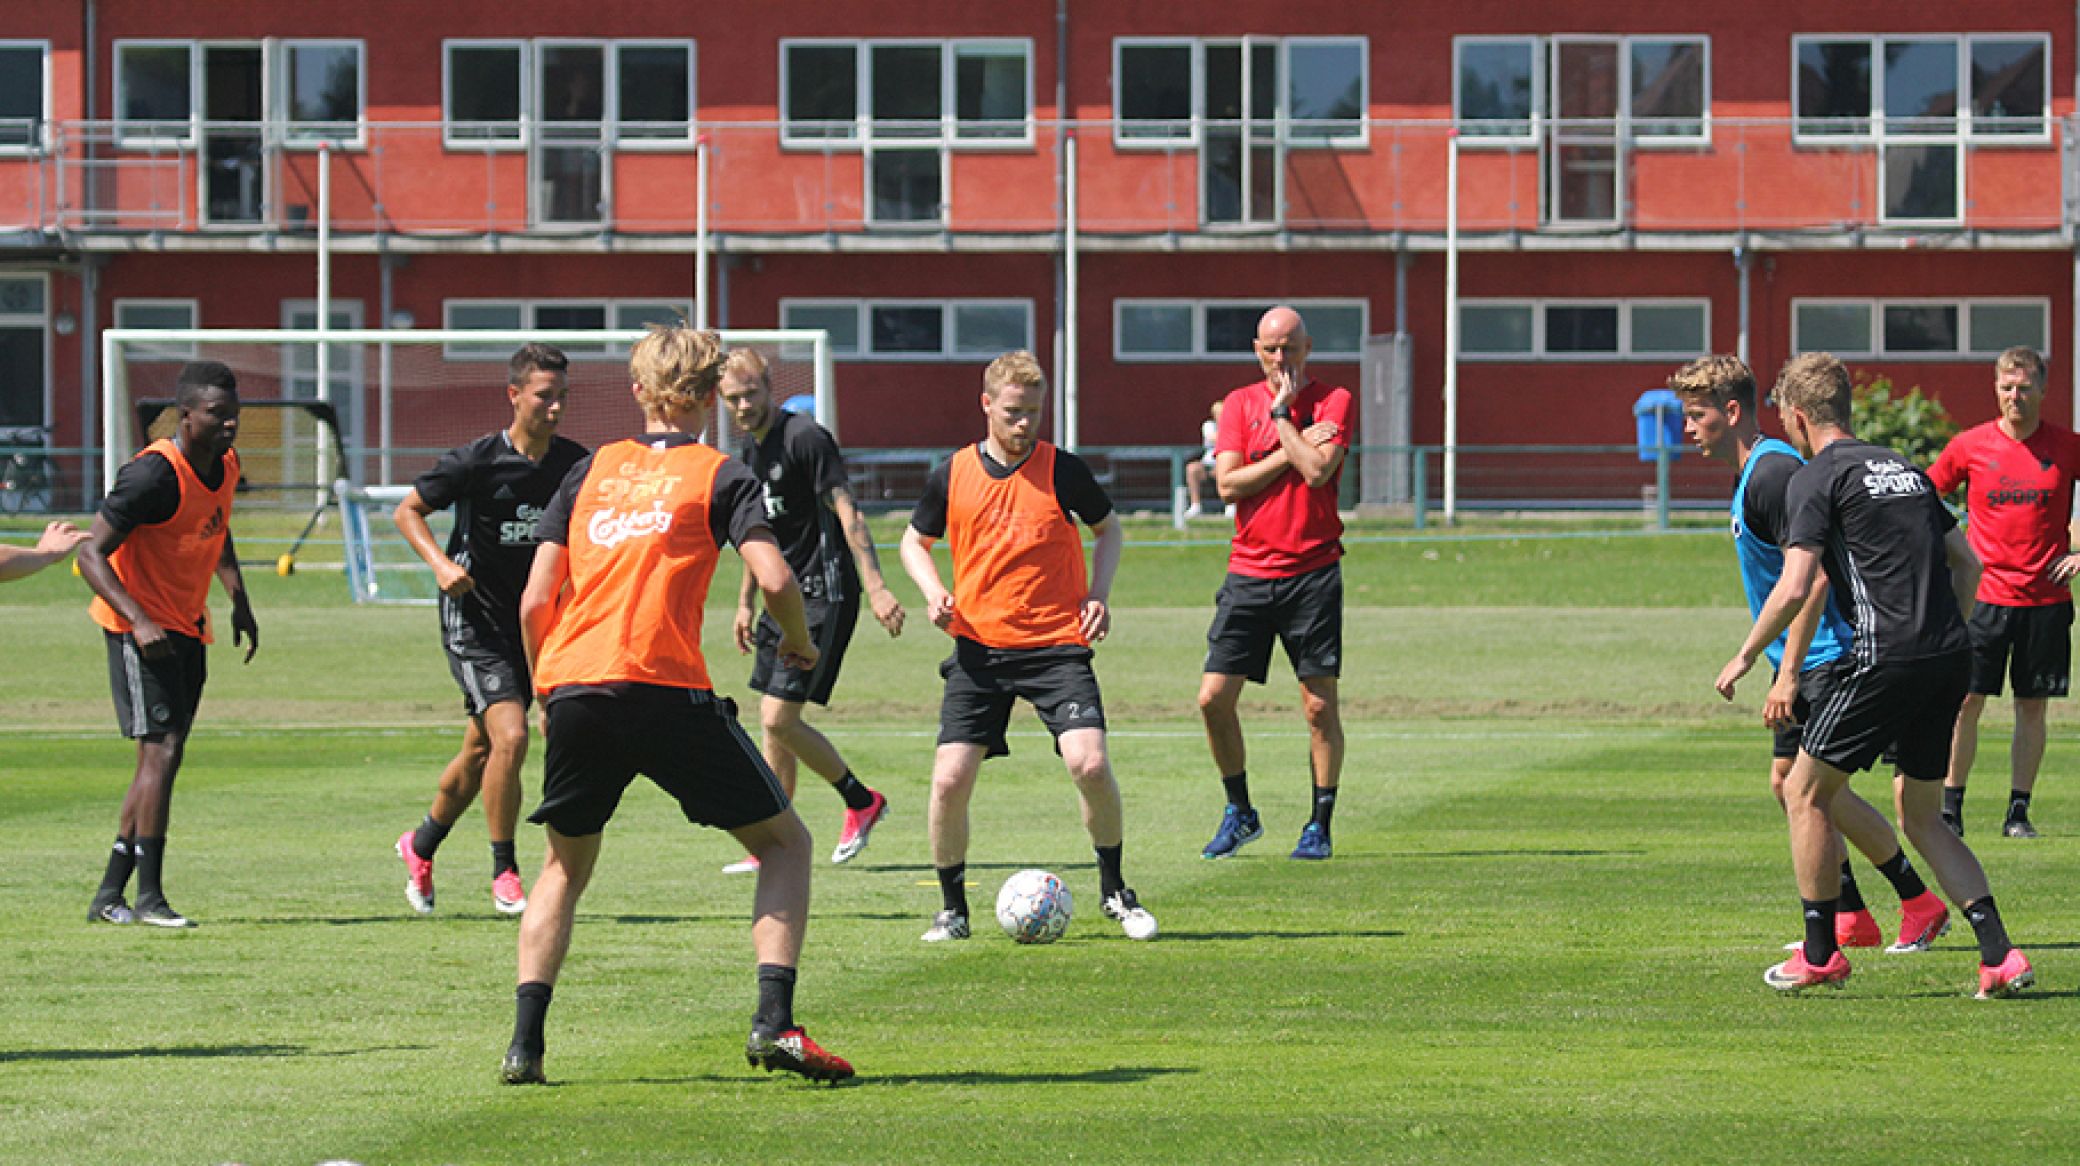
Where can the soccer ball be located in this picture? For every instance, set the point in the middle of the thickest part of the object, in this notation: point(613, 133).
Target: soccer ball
point(1034, 907)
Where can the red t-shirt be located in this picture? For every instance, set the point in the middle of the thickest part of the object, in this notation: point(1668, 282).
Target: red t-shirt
point(1286, 529)
point(2018, 500)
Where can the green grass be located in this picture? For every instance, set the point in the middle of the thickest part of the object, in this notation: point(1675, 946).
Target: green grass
point(1558, 878)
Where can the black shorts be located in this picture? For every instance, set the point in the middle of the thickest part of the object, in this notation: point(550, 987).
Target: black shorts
point(1859, 710)
point(1304, 613)
point(1787, 738)
point(983, 683)
point(2031, 645)
point(489, 675)
point(830, 629)
point(685, 740)
point(156, 697)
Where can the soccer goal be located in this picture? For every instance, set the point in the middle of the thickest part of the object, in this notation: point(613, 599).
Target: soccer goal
point(401, 399)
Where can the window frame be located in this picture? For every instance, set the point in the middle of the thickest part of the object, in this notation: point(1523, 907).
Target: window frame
point(1627, 352)
point(127, 136)
point(1199, 353)
point(1966, 351)
point(1284, 138)
point(948, 352)
point(947, 136)
point(615, 122)
point(194, 307)
point(41, 136)
point(285, 129)
point(523, 122)
point(1967, 132)
point(1627, 121)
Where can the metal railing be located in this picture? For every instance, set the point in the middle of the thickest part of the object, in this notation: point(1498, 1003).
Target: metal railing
point(415, 178)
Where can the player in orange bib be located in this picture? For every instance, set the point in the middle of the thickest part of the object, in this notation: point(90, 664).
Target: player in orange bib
point(162, 533)
point(1022, 618)
point(611, 617)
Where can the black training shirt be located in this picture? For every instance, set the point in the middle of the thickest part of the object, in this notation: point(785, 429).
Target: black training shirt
point(798, 463)
point(498, 493)
point(1763, 502)
point(1076, 491)
point(1878, 527)
point(148, 491)
point(735, 509)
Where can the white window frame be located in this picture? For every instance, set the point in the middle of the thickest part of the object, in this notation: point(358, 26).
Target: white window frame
point(286, 134)
point(127, 135)
point(1625, 353)
point(526, 113)
point(1966, 132)
point(1629, 138)
point(194, 307)
point(1281, 113)
point(1965, 352)
point(1198, 307)
point(864, 328)
point(947, 138)
point(42, 137)
point(465, 351)
point(614, 120)
point(347, 375)
point(41, 321)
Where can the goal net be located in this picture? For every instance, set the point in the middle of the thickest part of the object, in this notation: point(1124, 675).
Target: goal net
point(402, 399)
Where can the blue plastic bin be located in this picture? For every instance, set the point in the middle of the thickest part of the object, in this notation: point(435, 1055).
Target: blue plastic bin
point(1659, 415)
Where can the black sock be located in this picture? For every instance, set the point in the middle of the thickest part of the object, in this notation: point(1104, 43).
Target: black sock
point(775, 999)
point(120, 863)
point(502, 859)
point(530, 1009)
point(428, 838)
point(1109, 879)
point(1953, 801)
point(1238, 790)
point(1985, 919)
point(1819, 930)
point(2018, 805)
point(953, 888)
point(1851, 900)
point(151, 858)
point(856, 795)
point(1324, 807)
point(1900, 873)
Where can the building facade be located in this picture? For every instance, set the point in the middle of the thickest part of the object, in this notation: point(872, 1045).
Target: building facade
point(1121, 188)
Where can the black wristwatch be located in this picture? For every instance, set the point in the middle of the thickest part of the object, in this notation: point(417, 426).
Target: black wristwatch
point(1281, 412)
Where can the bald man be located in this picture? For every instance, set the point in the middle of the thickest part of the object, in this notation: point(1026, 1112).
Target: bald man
point(1277, 460)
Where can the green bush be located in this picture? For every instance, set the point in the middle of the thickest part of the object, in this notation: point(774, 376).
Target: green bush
point(1917, 426)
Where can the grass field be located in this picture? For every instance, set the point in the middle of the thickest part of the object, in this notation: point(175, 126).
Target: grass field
point(1558, 879)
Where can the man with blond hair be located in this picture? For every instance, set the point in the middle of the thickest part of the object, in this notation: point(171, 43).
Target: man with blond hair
point(1873, 523)
point(612, 621)
point(1277, 461)
point(2017, 472)
point(1023, 616)
point(1720, 416)
point(823, 534)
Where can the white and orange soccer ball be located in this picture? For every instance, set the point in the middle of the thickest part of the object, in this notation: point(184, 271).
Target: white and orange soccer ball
point(1034, 907)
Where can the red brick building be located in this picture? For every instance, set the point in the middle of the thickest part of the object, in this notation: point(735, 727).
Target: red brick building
point(1637, 183)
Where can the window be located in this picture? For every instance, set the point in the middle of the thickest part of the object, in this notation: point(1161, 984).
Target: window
point(319, 88)
point(958, 329)
point(1583, 329)
point(322, 88)
point(636, 94)
point(1922, 328)
point(1990, 88)
point(1226, 330)
point(1663, 86)
point(482, 315)
point(342, 361)
point(969, 92)
point(555, 315)
point(1309, 92)
point(24, 356)
point(159, 314)
point(483, 92)
point(155, 91)
point(24, 95)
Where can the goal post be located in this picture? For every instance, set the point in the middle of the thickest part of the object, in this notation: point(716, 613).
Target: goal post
point(401, 398)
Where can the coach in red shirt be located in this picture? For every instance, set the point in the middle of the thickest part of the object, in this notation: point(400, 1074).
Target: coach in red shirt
point(2018, 471)
point(1277, 460)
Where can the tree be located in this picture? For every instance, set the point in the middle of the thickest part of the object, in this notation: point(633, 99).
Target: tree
point(1917, 426)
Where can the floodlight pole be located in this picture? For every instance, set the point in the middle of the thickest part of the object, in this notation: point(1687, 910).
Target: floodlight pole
point(1072, 388)
point(1451, 332)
